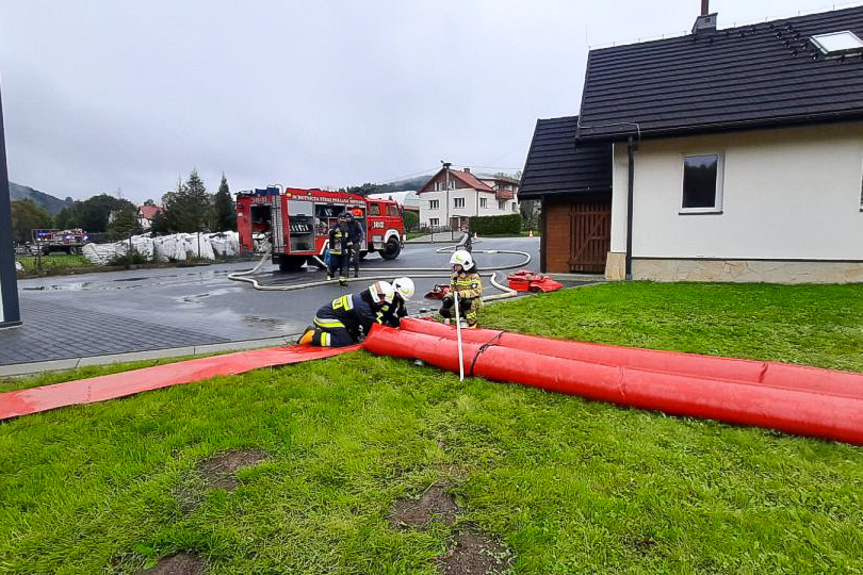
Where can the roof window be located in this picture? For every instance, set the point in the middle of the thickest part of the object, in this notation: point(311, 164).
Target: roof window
point(838, 44)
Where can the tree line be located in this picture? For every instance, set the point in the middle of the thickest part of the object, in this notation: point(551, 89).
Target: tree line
point(187, 208)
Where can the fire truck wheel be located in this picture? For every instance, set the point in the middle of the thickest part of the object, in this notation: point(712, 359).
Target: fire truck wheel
point(392, 250)
point(291, 263)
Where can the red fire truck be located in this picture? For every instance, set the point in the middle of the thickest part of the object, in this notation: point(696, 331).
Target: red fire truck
point(298, 223)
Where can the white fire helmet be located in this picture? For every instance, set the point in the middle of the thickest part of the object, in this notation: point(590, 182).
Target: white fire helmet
point(404, 287)
point(382, 292)
point(462, 258)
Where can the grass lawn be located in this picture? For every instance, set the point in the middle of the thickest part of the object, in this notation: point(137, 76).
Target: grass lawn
point(55, 263)
point(568, 486)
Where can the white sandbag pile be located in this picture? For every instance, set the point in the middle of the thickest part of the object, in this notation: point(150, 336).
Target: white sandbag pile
point(163, 249)
point(225, 244)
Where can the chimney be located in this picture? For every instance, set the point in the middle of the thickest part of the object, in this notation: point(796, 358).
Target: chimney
point(706, 23)
point(467, 170)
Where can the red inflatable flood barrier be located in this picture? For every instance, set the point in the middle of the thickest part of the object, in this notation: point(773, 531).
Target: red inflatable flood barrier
point(36, 399)
point(794, 399)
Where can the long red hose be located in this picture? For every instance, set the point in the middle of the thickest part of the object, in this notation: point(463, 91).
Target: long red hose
point(102, 388)
point(795, 399)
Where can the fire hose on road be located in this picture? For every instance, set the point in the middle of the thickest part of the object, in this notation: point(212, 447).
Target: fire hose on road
point(379, 273)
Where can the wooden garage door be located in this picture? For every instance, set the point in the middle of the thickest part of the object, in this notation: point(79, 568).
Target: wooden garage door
point(591, 236)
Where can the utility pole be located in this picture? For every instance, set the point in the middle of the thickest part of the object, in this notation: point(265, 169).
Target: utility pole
point(10, 313)
point(446, 166)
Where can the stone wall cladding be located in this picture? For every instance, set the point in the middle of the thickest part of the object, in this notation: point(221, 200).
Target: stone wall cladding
point(789, 272)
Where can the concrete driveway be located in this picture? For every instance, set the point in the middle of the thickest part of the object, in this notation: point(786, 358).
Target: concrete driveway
point(198, 309)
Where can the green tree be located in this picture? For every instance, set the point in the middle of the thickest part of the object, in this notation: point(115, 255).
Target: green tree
point(224, 211)
point(124, 224)
point(26, 217)
point(188, 208)
point(92, 214)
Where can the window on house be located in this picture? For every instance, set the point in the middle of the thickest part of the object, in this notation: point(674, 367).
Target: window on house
point(458, 202)
point(514, 207)
point(702, 183)
point(501, 205)
point(438, 186)
point(838, 44)
point(434, 222)
point(483, 202)
point(434, 204)
point(452, 184)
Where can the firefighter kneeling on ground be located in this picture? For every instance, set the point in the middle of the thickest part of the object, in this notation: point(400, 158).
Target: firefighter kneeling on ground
point(467, 284)
point(392, 313)
point(348, 318)
point(338, 250)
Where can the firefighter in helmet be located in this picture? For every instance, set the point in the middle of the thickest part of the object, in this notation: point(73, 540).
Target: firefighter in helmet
point(350, 317)
point(466, 282)
point(355, 242)
point(393, 312)
point(338, 249)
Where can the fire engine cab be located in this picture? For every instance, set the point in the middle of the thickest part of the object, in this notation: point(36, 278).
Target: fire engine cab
point(298, 222)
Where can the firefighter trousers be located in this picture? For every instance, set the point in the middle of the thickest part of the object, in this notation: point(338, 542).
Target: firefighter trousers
point(467, 309)
point(337, 261)
point(353, 260)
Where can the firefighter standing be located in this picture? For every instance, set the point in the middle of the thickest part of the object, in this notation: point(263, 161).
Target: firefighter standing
point(338, 250)
point(355, 243)
point(393, 312)
point(466, 282)
point(348, 318)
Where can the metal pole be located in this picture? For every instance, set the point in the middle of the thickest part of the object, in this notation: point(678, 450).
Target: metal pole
point(458, 336)
point(10, 313)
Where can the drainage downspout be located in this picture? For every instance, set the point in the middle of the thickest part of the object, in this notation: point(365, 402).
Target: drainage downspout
point(630, 152)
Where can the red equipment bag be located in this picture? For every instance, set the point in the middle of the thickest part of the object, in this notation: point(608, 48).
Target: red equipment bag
point(525, 280)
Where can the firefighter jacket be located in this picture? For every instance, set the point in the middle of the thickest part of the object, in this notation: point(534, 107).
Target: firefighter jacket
point(338, 240)
point(392, 313)
point(353, 312)
point(467, 284)
point(355, 235)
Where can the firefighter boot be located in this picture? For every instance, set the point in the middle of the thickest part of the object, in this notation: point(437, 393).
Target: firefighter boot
point(343, 281)
point(306, 338)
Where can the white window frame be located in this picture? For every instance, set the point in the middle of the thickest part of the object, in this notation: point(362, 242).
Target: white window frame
point(483, 202)
point(434, 204)
point(718, 204)
point(501, 205)
point(434, 222)
point(458, 202)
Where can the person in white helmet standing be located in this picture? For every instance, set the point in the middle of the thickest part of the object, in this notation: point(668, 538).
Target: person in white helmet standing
point(466, 281)
point(350, 317)
point(394, 312)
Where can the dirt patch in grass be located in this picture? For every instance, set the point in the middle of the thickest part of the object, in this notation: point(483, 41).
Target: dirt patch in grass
point(435, 504)
point(179, 564)
point(218, 472)
point(476, 554)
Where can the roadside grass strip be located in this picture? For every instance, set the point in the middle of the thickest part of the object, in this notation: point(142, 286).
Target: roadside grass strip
point(303, 469)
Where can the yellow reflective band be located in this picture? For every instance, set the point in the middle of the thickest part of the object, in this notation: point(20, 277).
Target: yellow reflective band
point(328, 322)
point(325, 339)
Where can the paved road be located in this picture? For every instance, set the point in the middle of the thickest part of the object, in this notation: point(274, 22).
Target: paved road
point(140, 310)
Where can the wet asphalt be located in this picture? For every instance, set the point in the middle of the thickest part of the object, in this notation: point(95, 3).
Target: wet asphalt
point(140, 310)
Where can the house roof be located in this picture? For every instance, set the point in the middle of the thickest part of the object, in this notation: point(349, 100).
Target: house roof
point(149, 212)
point(466, 177)
point(555, 165)
point(761, 75)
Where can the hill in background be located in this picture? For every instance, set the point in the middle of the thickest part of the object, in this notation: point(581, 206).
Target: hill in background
point(47, 201)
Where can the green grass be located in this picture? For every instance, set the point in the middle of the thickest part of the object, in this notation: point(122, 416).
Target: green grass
point(570, 486)
point(55, 263)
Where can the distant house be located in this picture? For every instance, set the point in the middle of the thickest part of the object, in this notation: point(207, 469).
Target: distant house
point(730, 155)
point(146, 215)
point(451, 197)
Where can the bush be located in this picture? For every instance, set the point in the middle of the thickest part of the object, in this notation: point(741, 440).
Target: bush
point(412, 221)
point(130, 259)
point(494, 225)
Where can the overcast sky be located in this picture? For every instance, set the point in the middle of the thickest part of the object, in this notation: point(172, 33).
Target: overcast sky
point(107, 95)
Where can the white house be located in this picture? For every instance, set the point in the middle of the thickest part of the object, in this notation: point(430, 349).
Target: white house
point(452, 197)
point(731, 155)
